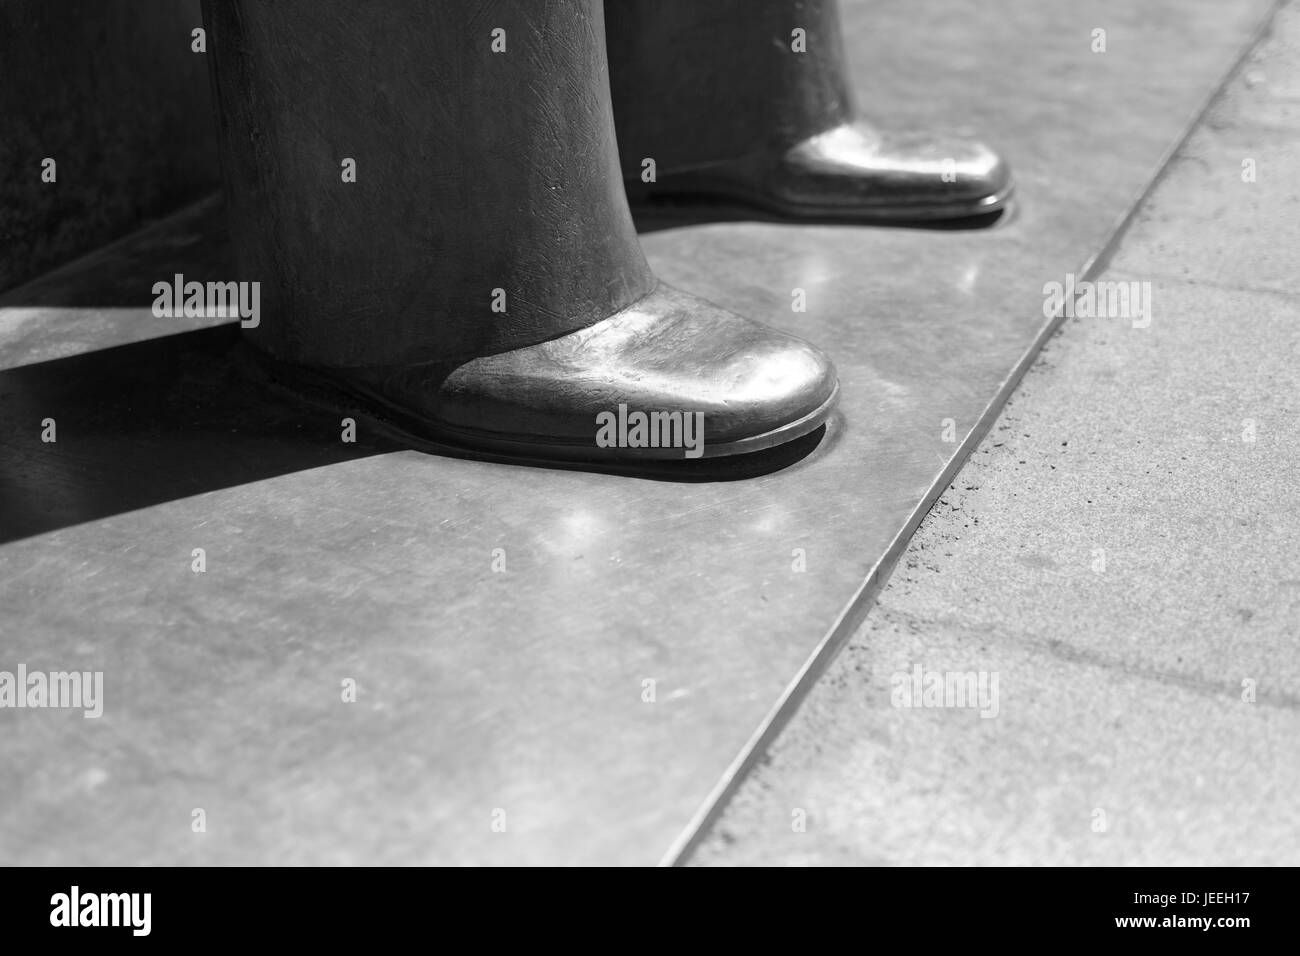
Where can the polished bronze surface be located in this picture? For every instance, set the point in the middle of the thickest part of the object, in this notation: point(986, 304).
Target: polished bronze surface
point(693, 380)
point(481, 278)
point(749, 101)
point(855, 172)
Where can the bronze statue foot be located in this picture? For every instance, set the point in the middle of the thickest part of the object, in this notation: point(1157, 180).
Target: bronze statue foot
point(751, 100)
point(441, 232)
point(669, 377)
point(853, 172)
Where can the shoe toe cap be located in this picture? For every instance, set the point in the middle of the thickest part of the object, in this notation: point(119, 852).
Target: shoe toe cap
point(751, 385)
point(773, 381)
point(856, 164)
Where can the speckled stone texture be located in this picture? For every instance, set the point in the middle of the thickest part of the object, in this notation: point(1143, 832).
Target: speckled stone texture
point(1119, 552)
point(112, 91)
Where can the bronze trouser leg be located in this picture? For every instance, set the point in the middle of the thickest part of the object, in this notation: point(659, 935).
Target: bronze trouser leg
point(696, 81)
point(750, 100)
point(480, 283)
point(475, 171)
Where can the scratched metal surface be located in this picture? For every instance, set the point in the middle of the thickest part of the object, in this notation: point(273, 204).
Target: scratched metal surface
point(522, 690)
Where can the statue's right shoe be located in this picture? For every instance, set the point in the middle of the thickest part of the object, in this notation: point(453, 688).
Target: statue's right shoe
point(768, 120)
point(853, 173)
point(668, 377)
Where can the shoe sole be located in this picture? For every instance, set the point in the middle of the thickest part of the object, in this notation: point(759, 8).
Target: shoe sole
point(682, 187)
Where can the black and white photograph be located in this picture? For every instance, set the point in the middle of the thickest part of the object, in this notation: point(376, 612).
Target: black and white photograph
point(650, 433)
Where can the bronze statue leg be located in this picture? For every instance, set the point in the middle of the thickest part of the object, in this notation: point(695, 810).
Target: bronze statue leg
point(748, 100)
point(430, 195)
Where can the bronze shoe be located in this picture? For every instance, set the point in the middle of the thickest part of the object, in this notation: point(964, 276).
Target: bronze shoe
point(853, 172)
point(751, 119)
point(669, 377)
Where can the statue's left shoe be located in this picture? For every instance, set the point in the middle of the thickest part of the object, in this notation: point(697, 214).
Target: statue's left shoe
point(667, 378)
point(853, 172)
